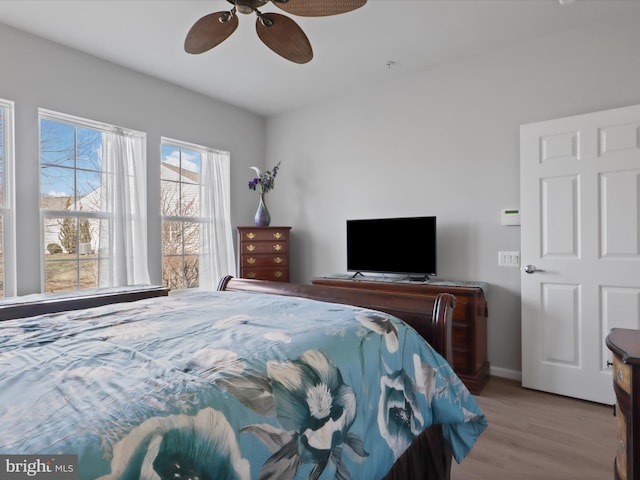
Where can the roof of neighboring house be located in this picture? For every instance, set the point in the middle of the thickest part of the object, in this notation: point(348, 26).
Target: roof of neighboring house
point(49, 202)
point(193, 176)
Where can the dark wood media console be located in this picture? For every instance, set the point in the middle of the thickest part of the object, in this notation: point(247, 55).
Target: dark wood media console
point(469, 321)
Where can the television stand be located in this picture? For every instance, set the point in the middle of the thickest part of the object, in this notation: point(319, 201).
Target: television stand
point(469, 332)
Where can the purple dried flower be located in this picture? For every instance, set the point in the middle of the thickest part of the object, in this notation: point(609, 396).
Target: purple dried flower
point(264, 181)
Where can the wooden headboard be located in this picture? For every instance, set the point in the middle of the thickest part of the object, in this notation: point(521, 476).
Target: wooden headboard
point(430, 316)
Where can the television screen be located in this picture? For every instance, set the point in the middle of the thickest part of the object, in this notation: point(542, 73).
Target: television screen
point(392, 245)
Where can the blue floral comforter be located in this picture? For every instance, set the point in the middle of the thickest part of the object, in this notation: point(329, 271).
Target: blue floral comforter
point(226, 385)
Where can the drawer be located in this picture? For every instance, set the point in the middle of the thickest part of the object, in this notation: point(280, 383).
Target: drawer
point(460, 337)
point(622, 374)
point(264, 247)
point(621, 447)
point(265, 235)
point(277, 274)
point(264, 260)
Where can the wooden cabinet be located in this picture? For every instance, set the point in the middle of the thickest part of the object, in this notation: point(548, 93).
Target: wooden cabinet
point(625, 345)
point(469, 322)
point(264, 253)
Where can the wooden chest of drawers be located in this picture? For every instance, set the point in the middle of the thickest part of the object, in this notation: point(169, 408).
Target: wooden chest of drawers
point(264, 253)
point(469, 322)
point(625, 345)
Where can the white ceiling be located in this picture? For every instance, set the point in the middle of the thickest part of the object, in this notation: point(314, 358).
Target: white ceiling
point(351, 51)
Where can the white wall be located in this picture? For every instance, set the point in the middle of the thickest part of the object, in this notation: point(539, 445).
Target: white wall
point(35, 73)
point(445, 143)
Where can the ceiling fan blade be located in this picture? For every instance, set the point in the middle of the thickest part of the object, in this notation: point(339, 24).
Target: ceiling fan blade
point(318, 8)
point(284, 36)
point(209, 31)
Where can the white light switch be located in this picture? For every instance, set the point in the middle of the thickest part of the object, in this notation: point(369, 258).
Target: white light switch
point(508, 259)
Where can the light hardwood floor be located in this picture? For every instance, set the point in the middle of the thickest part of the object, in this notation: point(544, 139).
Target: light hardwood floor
point(539, 436)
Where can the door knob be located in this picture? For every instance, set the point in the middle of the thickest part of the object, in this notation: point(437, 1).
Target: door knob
point(531, 269)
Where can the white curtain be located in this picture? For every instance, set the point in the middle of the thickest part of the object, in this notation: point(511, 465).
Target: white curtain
point(216, 238)
point(123, 235)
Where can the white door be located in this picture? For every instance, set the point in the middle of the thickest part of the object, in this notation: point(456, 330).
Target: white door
point(580, 236)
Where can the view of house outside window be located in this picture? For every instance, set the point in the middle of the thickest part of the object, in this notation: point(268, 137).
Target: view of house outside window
point(180, 196)
point(71, 214)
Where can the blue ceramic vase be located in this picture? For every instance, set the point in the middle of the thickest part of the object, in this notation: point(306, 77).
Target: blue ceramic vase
point(262, 218)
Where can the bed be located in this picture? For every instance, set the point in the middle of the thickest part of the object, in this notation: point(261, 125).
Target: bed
point(257, 380)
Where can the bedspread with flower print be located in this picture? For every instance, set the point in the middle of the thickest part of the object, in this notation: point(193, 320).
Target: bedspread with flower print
point(226, 385)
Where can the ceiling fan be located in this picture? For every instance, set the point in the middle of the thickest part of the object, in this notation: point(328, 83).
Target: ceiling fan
point(278, 32)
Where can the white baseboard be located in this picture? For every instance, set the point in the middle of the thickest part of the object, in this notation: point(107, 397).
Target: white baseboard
point(506, 373)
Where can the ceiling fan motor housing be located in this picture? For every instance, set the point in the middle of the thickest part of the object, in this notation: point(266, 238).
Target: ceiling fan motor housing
point(248, 6)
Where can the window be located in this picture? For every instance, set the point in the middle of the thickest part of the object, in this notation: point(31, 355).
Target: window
point(197, 246)
point(82, 168)
point(180, 194)
point(70, 179)
point(7, 256)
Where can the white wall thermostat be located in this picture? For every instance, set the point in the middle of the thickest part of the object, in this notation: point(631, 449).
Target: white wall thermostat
point(510, 216)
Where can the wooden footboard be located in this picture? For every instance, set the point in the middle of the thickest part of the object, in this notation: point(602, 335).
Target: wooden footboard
point(428, 457)
point(431, 317)
point(22, 308)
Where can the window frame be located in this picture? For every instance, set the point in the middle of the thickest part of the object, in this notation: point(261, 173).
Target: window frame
point(181, 218)
point(7, 207)
point(106, 252)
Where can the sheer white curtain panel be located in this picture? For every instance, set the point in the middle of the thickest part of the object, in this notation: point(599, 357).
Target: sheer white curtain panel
point(124, 197)
point(217, 256)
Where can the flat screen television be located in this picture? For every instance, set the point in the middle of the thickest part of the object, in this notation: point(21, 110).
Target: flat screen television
point(404, 245)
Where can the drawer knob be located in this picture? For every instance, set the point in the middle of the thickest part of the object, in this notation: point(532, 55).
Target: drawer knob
point(277, 274)
point(277, 260)
point(277, 235)
point(251, 235)
point(251, 260)
point(277, 247)
point(251, 275)
point(621, 446)
point(251, 248)
point(620, 376)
